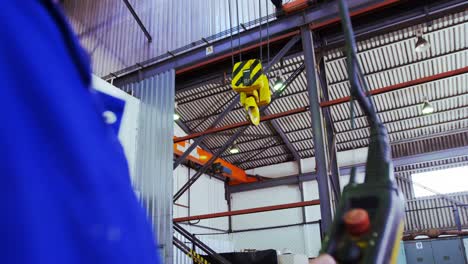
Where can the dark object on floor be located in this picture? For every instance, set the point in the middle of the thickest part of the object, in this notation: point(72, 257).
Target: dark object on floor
point(258, 257)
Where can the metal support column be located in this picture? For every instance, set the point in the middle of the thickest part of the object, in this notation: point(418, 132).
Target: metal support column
point(317, 128)
point(332, 157)
point(456, 217)
point(227, 194)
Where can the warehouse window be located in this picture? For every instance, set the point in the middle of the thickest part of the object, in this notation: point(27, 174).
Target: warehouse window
point(442, 181)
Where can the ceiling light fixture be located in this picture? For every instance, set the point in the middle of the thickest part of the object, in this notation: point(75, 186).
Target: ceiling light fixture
point(279, 84)
point(234, 149)
point(176, 115)
point(427, 108)
point(422, 45)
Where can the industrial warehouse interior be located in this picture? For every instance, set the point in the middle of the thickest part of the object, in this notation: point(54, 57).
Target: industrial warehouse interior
point(255, 131)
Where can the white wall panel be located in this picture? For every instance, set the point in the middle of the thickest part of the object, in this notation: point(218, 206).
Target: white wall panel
point(311, 193)
point(313, 243)
point(345, 159)
point(276, 170)
point(299, 239)
point(180, 177)
point(266, 197)
point(206, 196)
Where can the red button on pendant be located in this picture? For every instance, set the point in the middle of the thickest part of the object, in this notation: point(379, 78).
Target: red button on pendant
point(357, 221)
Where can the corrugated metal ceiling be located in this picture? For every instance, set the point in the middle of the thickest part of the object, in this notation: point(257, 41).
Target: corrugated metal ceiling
point(387, 59)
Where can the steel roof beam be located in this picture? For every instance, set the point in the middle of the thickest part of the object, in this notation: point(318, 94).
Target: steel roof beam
point(240, 107)
point(399, 86)
point(241, 124)
point(267, 69)
point(350, 131)
point(201, 138)
point(219, 76)
point(393, 145)
point(187, 130)
point(348, 141)
point(285, 139)
point(402, 161)
point(283, 28)
point(405, 130)
point(344, 120)
point(234, 101)
point(138, 20)
point(335, 83)
point(291, 79)
point(269, 157)
point(250, 38)
point(329, 131)
point(402, 19)
point(226, 145)
point(248, 211)
point(301, 110)
point(256, 154)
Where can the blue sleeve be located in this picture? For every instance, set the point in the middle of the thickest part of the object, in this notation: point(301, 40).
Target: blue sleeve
point(65, 193)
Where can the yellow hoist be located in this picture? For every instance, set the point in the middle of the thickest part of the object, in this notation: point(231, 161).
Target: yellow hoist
point(252, 84)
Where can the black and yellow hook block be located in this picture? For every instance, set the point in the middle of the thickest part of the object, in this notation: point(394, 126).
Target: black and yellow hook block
point(252, 84)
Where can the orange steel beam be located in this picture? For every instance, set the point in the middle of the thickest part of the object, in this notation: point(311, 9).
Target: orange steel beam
point(200, 156)
point(287, 35)
point(247, 211)
point(400, 86)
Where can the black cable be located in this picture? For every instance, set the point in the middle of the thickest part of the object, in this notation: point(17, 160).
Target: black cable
point(230, 31)
point(356, 80)
point(379, 156)
point(260, 28)
point(238, 30)
point(268, 32)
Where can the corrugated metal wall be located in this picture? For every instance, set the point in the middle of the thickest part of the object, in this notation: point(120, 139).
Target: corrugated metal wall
point(433, 211)
point(115, 41)
point(153, 179)
point(282, 231)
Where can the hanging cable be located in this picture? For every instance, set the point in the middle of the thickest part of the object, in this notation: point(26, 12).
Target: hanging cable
point(377, 201)
point(260, 28)
point(238, 31)
point(230, 32)
point(268, 32)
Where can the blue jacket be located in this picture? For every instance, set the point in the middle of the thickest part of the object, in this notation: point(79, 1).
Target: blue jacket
point(65, 192)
